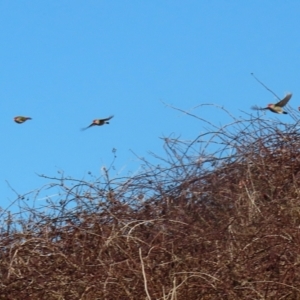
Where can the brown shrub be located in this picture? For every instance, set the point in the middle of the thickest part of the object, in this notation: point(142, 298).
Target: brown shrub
point(220, 220)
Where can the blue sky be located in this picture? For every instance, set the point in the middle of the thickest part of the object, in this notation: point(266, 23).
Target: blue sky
point(65, 63)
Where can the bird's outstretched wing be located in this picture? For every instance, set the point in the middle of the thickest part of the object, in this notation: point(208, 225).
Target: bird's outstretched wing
point(255, 107)
point(85, 128)
point(107, 118)
point(284, 101)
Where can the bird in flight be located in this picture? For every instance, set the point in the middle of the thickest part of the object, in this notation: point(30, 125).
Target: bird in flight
point(276, 108)
point(99, 122)
point(20, 119)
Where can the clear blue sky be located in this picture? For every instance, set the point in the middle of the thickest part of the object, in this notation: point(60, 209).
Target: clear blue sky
point(65, 63)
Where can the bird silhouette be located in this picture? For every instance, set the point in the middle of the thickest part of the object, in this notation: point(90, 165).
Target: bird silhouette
point(21, 119)
point(99, 122)
point(276, 108)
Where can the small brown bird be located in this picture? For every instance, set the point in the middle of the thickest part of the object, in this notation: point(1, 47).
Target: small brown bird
point(99, 122)
point(276, 108)
point(20, 119)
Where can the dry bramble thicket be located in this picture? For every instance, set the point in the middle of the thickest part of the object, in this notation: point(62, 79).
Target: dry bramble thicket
point(216, 218)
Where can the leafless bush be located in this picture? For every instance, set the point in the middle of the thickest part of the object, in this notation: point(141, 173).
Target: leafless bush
point(216, 218)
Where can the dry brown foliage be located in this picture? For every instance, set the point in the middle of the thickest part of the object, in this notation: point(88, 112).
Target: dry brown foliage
point(217, 219)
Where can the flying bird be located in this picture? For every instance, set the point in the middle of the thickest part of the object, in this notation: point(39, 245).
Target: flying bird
point(20, 119)
point(276, 108)
point(99, 122)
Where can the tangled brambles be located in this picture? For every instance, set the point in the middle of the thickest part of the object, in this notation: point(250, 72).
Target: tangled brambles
point(219, 220)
